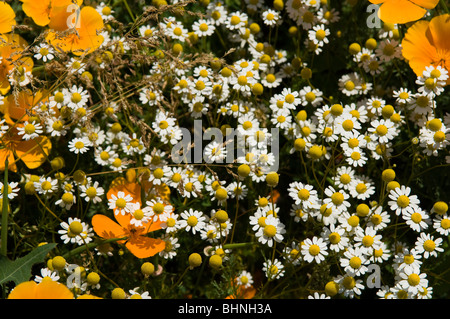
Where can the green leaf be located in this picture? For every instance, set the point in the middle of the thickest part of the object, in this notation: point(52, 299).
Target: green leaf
point(19, 270)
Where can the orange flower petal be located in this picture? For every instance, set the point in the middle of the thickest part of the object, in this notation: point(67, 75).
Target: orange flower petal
point(40, 148)
point(85, 38)
point(106, 228)
point(4, 154)
point(120, 184)
point(60, 12)
point(7, 18)
point(400, 11)
point(144, 247)
point(16, 107)
point(11, 46)
point(427, 4)
point(440, 32)
point(39, 11)
point(24, 290)
point(47, 289)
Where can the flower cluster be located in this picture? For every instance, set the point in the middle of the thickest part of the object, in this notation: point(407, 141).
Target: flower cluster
point(320, 177)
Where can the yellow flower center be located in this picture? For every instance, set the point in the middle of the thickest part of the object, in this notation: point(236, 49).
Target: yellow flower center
point(303, 194)
point(345, 179)
point(353, 142)
point(176, 177)
point(361, 188)
point(416, 217)
point(76, 97)
point(91, 192)
point(367, 241)
point(235, 20)
point(104, 155)
point(349, 282)
point(29, 128)
point(270, 230)
point(262, 221)
point(355, 262)
point(200, 85)
point(46, 185)
point(337, 198)
point(353, 221)
point(106, 11)
point(242, 80)
point(67, 198)
point(158, 208)
point(192, 221)
point(290, 98)
point(381, 130)
point(348, 125)
point(163, 125)
point(320, 35)
point(121, 203)
point(177, 31)
point(408, 259)
point(138, 214)
point(314, 250)
point(413, 279)
point(403, 201)
point(429, 245)
point(79, 145)
point(334, 238)
point(349, 85)
point(376, 219)
point(270, 78)
point(170, 222)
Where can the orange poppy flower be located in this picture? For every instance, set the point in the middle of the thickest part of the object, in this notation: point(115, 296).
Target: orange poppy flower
point(32, 152)
point(46, 289)
point(427, 43)
point(11, 46)
point(43, 10)
point(136, 240)
point(15, 108)
point(83, 30)
point(403, 11)
point(7, 18)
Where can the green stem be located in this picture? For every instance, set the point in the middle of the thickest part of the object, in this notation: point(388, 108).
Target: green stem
point(78, 250)
point(444, 6)
point(4, 234)
point(129, 10)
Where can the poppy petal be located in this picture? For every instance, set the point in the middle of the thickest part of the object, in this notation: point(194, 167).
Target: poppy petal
point(106, 228)
point(120, 184)
point(427, 4)
point(49, 289)
point(440, 32)
point(6, 153)
point(144, 247)
point(416, 47)
point(40, 148)
point(7, 18)
point(400, 11)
